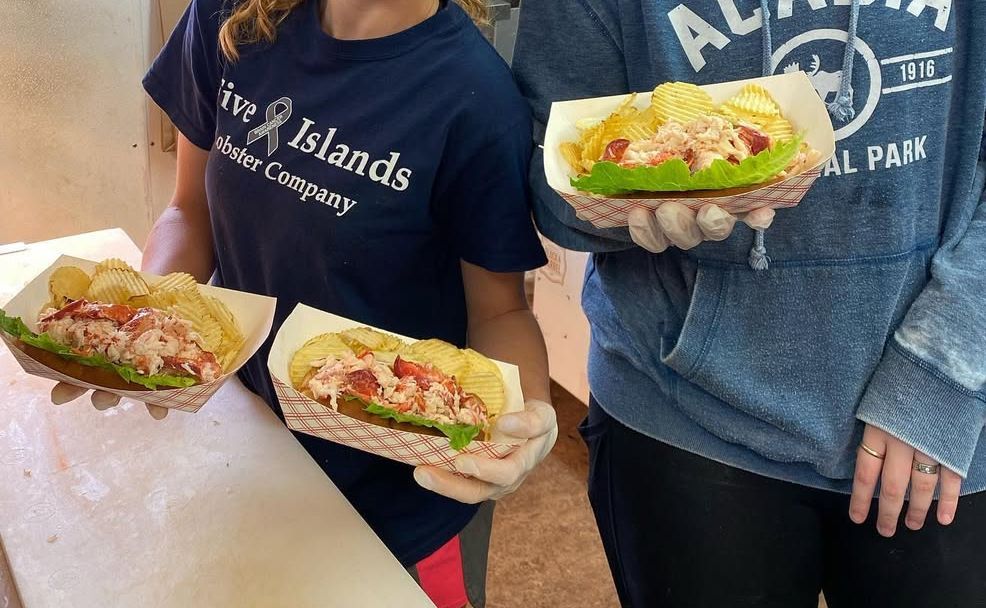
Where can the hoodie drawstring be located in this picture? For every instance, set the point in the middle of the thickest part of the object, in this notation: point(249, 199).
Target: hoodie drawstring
point(758, 253)
point(841, 109)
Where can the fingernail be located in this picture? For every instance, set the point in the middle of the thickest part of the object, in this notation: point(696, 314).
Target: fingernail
point(424, 479)
point(946, 519)
point(103, 401)
point(857, 517)
point(466, 466)
point(913, 524)
point(885, 531)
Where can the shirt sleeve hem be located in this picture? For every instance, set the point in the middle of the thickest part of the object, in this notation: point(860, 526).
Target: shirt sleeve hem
point(159, 92)
point(507, 263)
point(917, 406)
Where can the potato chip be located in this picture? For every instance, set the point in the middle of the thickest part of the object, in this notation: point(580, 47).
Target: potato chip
point(593, 146)
point(442, 355)
point(225, 318)
point(572, 153)
point(161, 300)
point(680, 101)
point(66, 284)
point(650, 118)
point(174, 281)
point(116, 286)
point(488, 387)
point(626, 122)
point(190, 306)
point(754, 99)
point(478, 362)
point(370, 339)
point(387, 357)
point(635, 132)
point(319, 347)
point(731, 115)
point(226, 358)
point(583, 124)
point(112, 264)
point(778, 128)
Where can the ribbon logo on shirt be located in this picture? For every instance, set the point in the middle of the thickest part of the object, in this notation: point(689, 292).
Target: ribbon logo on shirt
point(275, 118)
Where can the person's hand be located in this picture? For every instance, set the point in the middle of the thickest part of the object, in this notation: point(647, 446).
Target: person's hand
point(487, 478)
point(674, 224)
point(895, 465)
point(101, 400)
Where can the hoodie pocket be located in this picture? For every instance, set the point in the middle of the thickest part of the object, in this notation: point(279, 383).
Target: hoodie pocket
point(778, 360)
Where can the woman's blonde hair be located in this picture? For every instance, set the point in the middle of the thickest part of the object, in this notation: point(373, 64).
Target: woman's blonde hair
point(257, 20)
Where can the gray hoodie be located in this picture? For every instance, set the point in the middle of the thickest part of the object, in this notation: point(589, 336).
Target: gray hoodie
point(873, 308)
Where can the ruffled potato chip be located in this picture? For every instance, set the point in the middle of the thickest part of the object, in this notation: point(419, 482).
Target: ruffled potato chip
point(316, 349)
point(680, 101)
point(478, 362)
point(488, 387)
point(175, 281)
point(116, 286)
point(779, 128)
point(226, 358)
point(191, 307)
point(220, 313)
point(442, 355)
point(731, 115)
point(361, 338)
point(754, 99)
point(112, 264)
point(161, 300)
point(626, 122)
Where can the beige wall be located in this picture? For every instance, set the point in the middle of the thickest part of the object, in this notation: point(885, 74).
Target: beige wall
point(79, 141)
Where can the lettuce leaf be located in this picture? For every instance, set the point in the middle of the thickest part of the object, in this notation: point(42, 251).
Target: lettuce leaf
point(16, 328)
point(673, 175)
point(459, 435)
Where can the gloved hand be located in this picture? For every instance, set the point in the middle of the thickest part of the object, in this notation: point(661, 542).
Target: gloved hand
point(487, 478)
point(675, 224)
point(101, 400)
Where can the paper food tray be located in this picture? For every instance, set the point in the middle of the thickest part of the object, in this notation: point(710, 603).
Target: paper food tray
point(307, 416)
point(253, 313)
point(799, 103)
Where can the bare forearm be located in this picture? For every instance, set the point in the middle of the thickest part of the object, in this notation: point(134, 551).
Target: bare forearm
point(181, 240)
point(515, 337)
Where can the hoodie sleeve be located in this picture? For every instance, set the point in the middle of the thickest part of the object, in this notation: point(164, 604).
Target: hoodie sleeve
point(568, 50)
point(929, 390)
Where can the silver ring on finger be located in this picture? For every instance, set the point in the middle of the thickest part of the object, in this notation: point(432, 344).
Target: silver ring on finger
point(927, 469)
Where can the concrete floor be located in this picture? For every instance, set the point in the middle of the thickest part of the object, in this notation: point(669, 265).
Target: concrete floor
point(545, 548)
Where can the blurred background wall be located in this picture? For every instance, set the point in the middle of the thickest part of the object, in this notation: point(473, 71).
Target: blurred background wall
point(80, 146)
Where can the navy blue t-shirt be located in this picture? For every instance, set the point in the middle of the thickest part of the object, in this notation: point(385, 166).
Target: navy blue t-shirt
point(353, 176)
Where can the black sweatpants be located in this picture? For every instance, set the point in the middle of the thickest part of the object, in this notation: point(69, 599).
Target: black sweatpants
point(683, 531)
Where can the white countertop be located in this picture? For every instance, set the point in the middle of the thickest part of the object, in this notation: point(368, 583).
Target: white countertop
point(215, 509)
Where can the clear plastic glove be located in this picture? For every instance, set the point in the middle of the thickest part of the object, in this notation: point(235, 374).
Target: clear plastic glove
point(490, 479)
point(101, 400)
point(675, 224)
